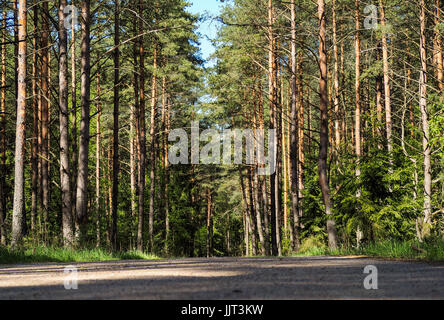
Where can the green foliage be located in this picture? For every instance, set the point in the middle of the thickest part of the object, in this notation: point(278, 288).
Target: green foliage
point(313, 245)
point(49, 254)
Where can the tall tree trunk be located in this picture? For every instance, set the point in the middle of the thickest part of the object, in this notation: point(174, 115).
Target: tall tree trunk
point(98, 147)
point(379, 96)
point(65, 183)
point(3, 136)
point(134, 132)
point(153, 151)
point(116, 163)
point(438, 47)
point(336, 80)
point(387, 90)
point(74, 120)
point(19, 196)
point(272, 99)
point(358, 107)
point(167, 174)
point(45, 118)
point(263, 179)
point(109, 218)
point(323, 151)
point(301, 133)
point(16, 45)
point(82, 178)
point(426, 224)
point(294, 135)
point(35, 126)
point(255, 180)
point(142, 131)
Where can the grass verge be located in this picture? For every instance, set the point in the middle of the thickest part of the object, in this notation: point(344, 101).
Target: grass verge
point(42, 254)
point(405, 250)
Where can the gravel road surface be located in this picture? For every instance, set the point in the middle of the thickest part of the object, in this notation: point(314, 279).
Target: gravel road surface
point(225, 279)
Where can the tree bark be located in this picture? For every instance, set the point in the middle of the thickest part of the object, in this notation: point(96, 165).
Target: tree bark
point(246, 215)
point(153, 151)
point(358, 108)
point(65, 183)
point(387, 90)
point(294, 135)
point(323, 151)
point(142, 130)
point(272, 99)
point(74, 120)
point(3, 136)
point(116, 163)
point(438, 47)
point(336, 80)
point(19, 200)
point(45, 119)
point(82, 178)
point(426, 224)
point(98, 147)
point(209, 223)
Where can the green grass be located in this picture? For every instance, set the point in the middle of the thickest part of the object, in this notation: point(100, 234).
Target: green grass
point(42, 254)
point(432, 250)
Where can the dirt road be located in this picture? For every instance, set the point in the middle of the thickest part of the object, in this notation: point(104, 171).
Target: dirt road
point(226, 279)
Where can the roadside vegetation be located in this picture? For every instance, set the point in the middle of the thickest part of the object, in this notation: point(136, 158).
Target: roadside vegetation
point(49, 254)
point(430, 250)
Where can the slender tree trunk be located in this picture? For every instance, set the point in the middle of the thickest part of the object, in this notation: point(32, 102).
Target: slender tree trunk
point(65, 183)
point(336, 80)
point(301, 134)
point(323, 151)
point(272, 99)
point(438, 47)
point(16, 45)
point(426, 224)
point(255, 180)
point(379, 96)
point(109, 217)
point(142, 130)
point(294, 134)
point(153, 151)
point(82, 178)
point(209, 223)
point(263, 179)
point(116, 163)
point(133, 170)
point(3, 136)
point(246, 214)
point(19, 196)
point(167, 175)
point(387, 91)
point(358, 108)
point(35, 127)
point(98, 147)
point(253, 218)
point(74, 121)
point(134, 127)
point(45, 118)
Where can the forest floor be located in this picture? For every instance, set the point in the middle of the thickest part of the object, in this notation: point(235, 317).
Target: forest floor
point(226, 278)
